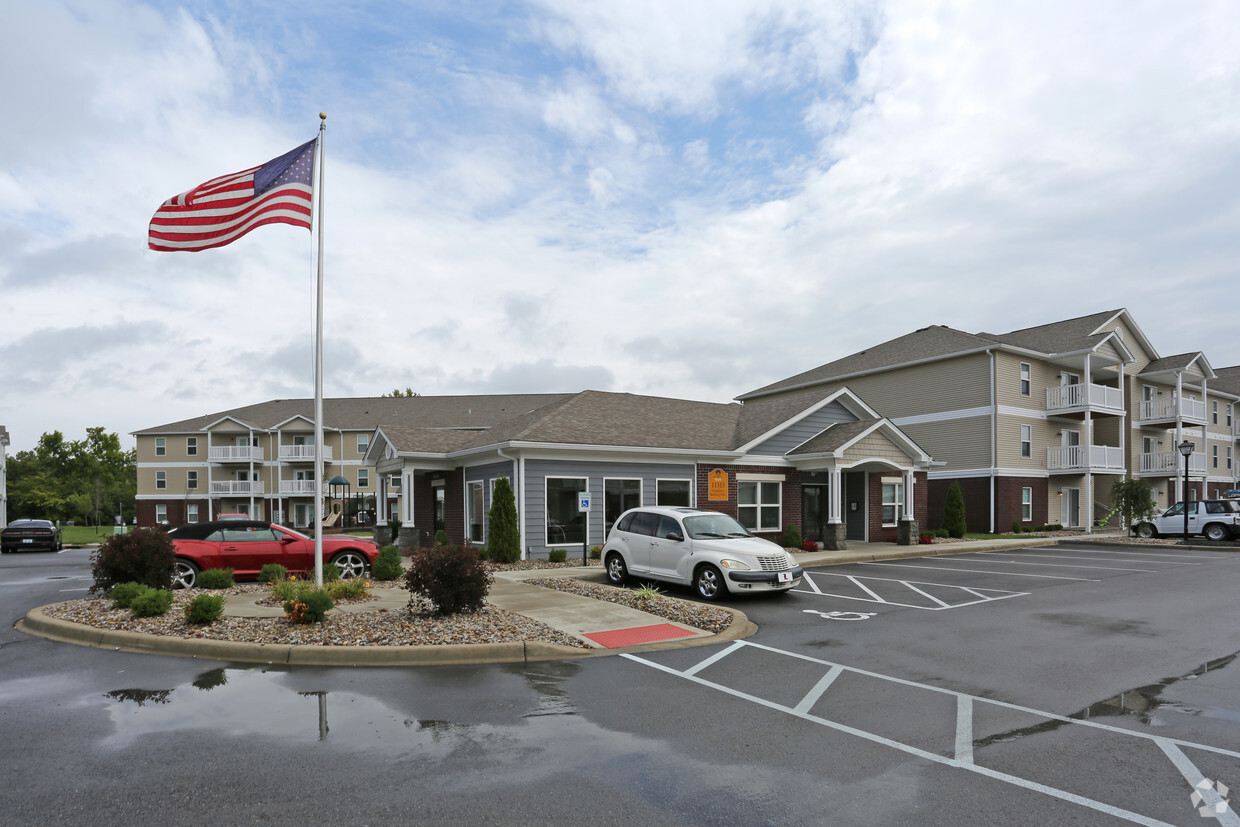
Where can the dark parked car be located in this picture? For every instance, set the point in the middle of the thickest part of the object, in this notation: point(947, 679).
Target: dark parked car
point(245, 546)
point(30, 535)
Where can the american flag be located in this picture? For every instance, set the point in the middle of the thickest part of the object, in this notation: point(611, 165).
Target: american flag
point(223, 209)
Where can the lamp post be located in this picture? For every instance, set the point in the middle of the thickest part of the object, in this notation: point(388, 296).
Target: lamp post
point(1186, 449)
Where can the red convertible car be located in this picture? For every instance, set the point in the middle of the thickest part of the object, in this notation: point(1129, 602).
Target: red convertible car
point(245, 546)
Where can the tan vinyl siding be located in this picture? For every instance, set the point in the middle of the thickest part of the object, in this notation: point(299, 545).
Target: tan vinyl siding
point(877, 445)
point(947, 385)
point(961, 443)
point(1108, 351)
point(1044, 434)
point(1131, 342)
point(1007, 381)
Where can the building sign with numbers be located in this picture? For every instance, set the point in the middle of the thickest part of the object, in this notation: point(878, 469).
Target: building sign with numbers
point(717, 485)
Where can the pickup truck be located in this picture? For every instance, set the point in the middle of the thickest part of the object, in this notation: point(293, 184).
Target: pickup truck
point(1214, 519)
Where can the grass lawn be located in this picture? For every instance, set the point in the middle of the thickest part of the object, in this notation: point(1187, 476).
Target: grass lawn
point(81, 535)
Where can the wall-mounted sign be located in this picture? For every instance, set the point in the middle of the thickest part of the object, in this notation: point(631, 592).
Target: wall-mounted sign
point(717, 485)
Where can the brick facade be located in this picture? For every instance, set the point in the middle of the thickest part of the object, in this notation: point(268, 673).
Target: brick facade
point(1008, 502)
point(879, 533)
point(790, 494)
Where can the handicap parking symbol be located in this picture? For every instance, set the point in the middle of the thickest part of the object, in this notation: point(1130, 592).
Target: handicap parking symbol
point(841, 615)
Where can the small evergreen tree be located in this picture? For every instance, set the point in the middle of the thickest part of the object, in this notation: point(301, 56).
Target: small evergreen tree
point(505, 535)
point(1134, 500)
point(953, 512)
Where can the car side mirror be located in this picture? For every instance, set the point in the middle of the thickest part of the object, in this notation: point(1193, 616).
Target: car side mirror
point(284, 538)
point(677, 537)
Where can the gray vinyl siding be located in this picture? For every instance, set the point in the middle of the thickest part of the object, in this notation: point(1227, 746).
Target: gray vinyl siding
point(485, 474)
point(961, 443)
point(534, 514)
point(799, 432)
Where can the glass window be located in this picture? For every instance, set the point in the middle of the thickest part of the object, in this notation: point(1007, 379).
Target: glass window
point(565, 524)
point(394, 481)
point(161, 479)
point(1026, 381)
point(191, 512)
point(191, 446)
point(363, 442)
point(759, 505)
point(672, 493)
point(644, 523)
point(191, 480)
point(161, 446)
point(161, 513)
point(1214, 412)
point(893, 502)
point(1026, 440)
point(363, 478)
point(1214, 456)
point(1229, 457)
point(476, 512)
point(714, 527)
point(618, 497)
point(1026, 504)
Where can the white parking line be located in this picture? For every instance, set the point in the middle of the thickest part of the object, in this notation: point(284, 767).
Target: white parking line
point(963, 753)
point(980, 571)
point(911, 585)
point(1049, 565)
point(1077, 557)
point(1178, 556)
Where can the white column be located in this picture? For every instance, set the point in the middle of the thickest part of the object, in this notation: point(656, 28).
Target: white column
point(908, 495)
point(835, 507)
point(381, 503)
point(406, 497)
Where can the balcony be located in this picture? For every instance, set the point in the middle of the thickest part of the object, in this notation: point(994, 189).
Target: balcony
point(302, 453)
point(226, 488)
point(1081, 397)
point(1167, 464)
point(297, 488)
point(236, 453)
point(1085, 458)
point(1165, 410)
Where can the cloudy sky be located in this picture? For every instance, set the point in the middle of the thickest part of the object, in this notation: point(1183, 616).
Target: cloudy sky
point(687, 198)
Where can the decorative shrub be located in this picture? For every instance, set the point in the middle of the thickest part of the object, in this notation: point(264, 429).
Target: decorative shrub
point(596, 552)
point(1016, 526)
point(344, 589)
point(287, 588)
point(792, 537)
point(272, 572)
point(151, 602)
point(331, 572)
point(204, 609)
point(453, 579)
point(123, 594)
point(441, 538)
point(309, 606)
point(144, 555)
point(387, 565)
point(216, 579)
point(953, 512)
point(502, 529)
point(809, 545)
point(557, 555)
point(395, 525)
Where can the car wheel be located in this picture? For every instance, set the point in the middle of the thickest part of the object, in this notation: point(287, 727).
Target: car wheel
point(184, 574)
point(708, 583)
point(1214, 531)
point(617, 572)
point(1146, 531)
point(352, 565)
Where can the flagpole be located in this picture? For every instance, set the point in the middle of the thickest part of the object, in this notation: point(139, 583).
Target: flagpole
point(318, 373)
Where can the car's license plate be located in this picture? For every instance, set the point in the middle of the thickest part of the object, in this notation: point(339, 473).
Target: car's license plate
point(785, 577)
point(27, 540)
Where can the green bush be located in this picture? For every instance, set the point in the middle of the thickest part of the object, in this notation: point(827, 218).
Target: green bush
point(953, 512)
point(792, 537)
point(309, 605)
point(145, 555)
point(596, 552)
point(387, 565)
point(287, 588)
point(272, 572)
point(151, 602)
point(393, 524)
point(124, 594)
point(216, 579)
point(343, 589)
point(1016, 527)
point(453, 579)
point(557, 555)
point(502, 528)
point(204, 609)
point(441, 538)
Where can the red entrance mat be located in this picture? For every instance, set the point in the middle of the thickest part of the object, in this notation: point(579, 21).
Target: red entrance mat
point(638, 634)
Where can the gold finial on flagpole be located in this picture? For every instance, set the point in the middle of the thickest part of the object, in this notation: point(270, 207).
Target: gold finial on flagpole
point(323, 116)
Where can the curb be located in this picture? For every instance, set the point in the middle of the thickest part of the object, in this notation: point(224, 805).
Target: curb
point(522, 651)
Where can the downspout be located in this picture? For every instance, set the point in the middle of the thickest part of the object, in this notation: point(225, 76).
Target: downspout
point(994, 437)
point(518, 490)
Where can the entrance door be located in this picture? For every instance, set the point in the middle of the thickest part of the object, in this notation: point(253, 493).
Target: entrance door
point(1071, 511)
point(855, 506)
point(439, 524)
point(814, 513)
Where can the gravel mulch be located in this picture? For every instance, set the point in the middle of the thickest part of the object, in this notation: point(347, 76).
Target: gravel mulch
point(709, 618)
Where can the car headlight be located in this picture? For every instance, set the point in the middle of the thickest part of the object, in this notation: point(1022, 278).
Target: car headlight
point(735, 565)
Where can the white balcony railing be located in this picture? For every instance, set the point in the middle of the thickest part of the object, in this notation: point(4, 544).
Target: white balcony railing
point(1085, 458)
point(1168, 463)
point(1081, 396)
point(235, 487)
point(1165, 409)
point(302, 453)
point(236, 453)
point(297, 488)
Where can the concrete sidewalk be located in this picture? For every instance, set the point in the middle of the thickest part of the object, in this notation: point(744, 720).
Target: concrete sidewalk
point(569, 613)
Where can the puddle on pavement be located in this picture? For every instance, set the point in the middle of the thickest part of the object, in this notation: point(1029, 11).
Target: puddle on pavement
point(1144, 704)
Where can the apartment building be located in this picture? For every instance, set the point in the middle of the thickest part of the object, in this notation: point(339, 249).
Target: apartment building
point(1037, 424)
